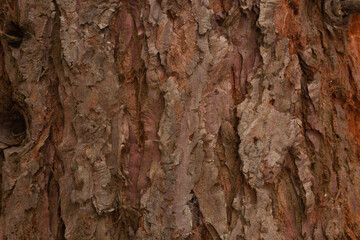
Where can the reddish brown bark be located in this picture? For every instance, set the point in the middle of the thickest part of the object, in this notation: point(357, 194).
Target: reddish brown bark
point(177, 119)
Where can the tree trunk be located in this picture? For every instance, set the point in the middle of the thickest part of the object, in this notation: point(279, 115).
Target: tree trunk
point(180, 119)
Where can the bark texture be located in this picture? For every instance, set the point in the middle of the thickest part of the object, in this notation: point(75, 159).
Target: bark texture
point(180, 119)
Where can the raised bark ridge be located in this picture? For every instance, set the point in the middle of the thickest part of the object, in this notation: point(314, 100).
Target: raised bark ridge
point(202, 119)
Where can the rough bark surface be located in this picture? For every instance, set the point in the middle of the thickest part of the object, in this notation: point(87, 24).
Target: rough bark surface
point(180, 119)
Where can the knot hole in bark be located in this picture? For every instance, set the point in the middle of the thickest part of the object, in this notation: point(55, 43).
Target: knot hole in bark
point(18, 125)
point(12, 127)
point(13, 34)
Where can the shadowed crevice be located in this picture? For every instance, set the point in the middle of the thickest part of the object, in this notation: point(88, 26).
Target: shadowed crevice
point(13, 34)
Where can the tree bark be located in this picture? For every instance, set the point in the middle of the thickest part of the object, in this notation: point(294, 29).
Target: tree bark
point(180, 119)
